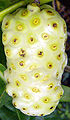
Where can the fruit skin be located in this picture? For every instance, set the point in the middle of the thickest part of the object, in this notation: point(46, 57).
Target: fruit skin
point(34, 44)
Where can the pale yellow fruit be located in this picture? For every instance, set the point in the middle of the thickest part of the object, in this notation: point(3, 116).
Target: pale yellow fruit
point(34, 43)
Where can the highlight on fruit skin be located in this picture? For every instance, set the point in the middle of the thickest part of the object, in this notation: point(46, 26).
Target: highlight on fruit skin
point(34, 44)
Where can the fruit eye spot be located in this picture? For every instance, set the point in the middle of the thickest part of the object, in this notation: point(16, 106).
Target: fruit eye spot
point(35, 90)
point(8, 52)
point(14, 95)
point(23, 77)
point(22, 52)
point(50, 85)
point(41, 114)
point(46, 100)
point(64, 28)
point(63, 65)
point(23, 108)
point(46, 78)
point(40, 53)
point(55, 25)
point(50, 65)
point(51, 107)
point(4, 38)
point(28, 113)
point(19, 27)
point(56, 88)
point(8, 80)
point(21, 63)
point(36, 21)
point(15, 41)
point(6, 24)
point(25, 12)
point(61, 38)
point(45, 36)
point(57, 74)
point(18, 83)
point(60, 94)
point(32, 67)
point(33, 114)
point(49, 12)
point(27, 96)
point(36, 75)
point(36, 106)
point(14, 104)
point(59, 57)
point(10, 70)
point(54, 47)
point(13, 66)
point(31, 40)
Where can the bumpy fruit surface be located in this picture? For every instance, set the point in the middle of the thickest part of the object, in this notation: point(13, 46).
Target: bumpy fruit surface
point(34, 43)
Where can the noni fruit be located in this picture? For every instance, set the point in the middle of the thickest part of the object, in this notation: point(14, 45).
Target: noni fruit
point(34, 43)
